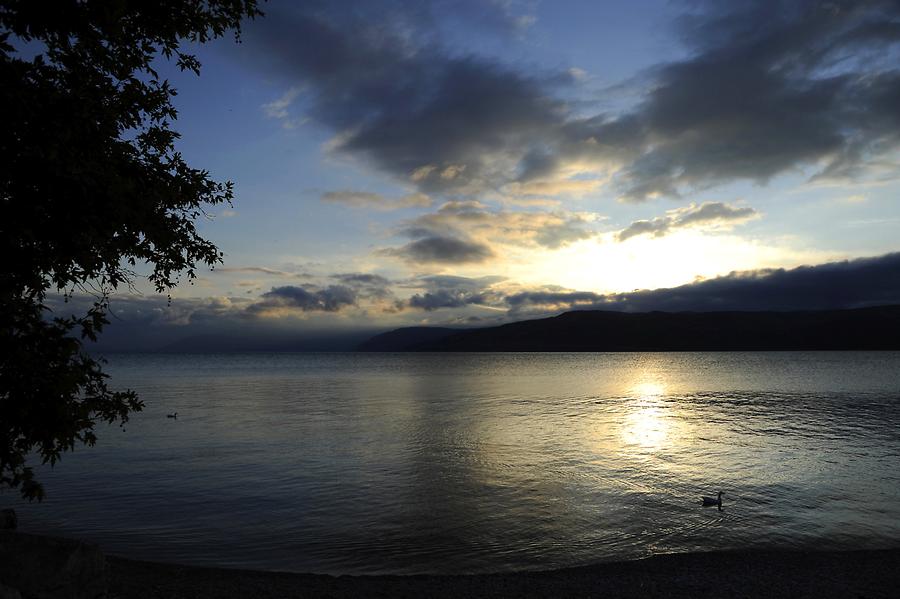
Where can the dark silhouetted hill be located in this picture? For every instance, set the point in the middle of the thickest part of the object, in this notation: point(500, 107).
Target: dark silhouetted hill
point(406, 339)
point(876, 328)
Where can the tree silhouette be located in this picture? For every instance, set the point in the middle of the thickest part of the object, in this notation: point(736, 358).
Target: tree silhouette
point(91, 186)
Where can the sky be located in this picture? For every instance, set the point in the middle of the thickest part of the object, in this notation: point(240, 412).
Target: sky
point(473, 162)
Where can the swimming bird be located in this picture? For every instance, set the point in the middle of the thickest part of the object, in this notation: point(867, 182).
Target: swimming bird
point(175, 415)
point(708, 501)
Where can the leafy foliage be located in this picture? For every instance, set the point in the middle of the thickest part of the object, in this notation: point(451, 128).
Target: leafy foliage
point(91, 186)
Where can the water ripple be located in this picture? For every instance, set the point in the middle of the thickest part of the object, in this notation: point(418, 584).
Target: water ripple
point(347, 463)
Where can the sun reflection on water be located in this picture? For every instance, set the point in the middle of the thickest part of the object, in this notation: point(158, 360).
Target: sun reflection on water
point(648, 421)
point(648, 390)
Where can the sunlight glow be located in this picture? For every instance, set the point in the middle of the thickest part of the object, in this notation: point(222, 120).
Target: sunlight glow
point(648, 422)
point(605, 265)
point(646, 427)
point(649, 390)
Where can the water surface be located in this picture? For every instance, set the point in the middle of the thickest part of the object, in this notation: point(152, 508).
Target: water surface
point(409, 463)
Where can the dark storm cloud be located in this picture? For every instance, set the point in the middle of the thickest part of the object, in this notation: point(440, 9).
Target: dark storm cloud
point(398, 99)
point(716, 215)
point(436, 249)
point(850, 284)
point(767, 87)
point(770, 86)
point(306, 299)
point(468, 116)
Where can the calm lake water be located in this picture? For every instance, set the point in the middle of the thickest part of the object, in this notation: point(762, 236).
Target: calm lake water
point(408, 463)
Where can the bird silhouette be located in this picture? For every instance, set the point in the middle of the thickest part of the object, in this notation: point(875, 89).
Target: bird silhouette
point(710, 501)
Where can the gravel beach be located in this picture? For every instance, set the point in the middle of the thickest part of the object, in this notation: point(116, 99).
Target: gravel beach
point(728, 574)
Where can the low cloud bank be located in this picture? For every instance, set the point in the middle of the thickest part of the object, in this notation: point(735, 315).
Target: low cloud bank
point(837, 285)
point(286, 315)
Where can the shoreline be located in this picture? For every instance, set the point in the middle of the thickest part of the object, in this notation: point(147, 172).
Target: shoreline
point(862, 573)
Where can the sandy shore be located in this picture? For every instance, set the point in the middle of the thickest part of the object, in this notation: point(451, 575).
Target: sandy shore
point(722, 575)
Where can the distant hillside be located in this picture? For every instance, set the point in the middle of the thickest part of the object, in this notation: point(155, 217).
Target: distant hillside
point(875, 328)
point(406, 339)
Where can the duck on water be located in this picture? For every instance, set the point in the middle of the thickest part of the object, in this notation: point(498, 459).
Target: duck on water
point(710, 501)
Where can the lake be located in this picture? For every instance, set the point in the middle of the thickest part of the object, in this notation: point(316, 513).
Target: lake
point(456, 463)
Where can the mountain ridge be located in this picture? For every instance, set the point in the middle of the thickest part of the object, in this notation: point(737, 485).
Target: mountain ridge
point(871, 328)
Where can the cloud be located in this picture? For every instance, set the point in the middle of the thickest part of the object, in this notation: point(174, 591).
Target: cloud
point(709, 215)
point(151, 322)
point(367, 285)
point(469, 231)
point(261, 270)
point(217, 324)
point(551, 229)
point(277, 109)
point(376, 201)
point(765, 89)
point(573, 187)
point(306, 299)
point(440, 282)
point(769, 87)
point(441, 119)
point(856, 198)
point(154, 311)
point(447, 291)
point(444, 298)
point(837, 285)
point(357, 278)
point(437, 249)
point(553, 299)
point(340, 292)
